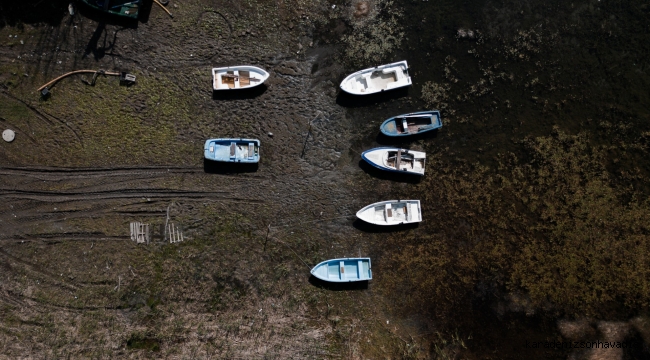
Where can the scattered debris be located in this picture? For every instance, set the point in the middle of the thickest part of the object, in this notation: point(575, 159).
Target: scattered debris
point(175, 234)
point(140, 232)
point(126, 78)
point(465, 34)
point(45, 93)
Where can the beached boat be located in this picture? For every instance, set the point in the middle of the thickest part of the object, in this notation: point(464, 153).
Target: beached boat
point(395, 159)
point(233, 150)
point(377, 79)
point(238, 77)
point(411, 124)
point(391, 212)
point(124, 8)
point(343, 270)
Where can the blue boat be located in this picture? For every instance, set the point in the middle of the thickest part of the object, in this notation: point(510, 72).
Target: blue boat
point(343, 270)
point(246, 151)
point(411, 124)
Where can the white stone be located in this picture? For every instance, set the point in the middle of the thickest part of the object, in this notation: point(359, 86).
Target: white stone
point(8, 135)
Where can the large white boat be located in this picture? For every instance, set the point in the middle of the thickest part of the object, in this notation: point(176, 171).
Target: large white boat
point(377, 79)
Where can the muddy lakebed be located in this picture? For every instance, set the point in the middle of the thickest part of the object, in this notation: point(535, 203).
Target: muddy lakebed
point(535, 197)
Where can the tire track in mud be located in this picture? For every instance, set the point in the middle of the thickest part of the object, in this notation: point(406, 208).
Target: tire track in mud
point(44, 116)
point(6, 124)
point(56, 196)
point(40, 302)
point(36, 268)
point(74, 173)
point(60, 237)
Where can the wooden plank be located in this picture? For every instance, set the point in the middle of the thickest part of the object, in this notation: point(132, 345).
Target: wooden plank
point(398, 160)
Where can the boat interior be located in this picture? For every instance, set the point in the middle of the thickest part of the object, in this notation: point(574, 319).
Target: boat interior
point(348, 270)
point(380, 79)
point(242, 151)
point(391, 212)
point(377, 80)
point(234, 150)
point(234, 79)
point(413, 124)
point(404, 161)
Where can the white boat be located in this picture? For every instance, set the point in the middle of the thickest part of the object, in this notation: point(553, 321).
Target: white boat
point(395, 159)
point(377, 79)
point(391, 212)
point(344, 270)
point(238, 77)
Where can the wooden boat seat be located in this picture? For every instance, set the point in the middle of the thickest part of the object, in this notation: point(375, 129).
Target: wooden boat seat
point(251, 150)
point(233, 148)
point(398, 159)
point(244, 78)
point(389, 212)
point(229, 80)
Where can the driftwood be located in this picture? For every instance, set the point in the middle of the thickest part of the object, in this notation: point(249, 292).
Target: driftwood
point(164, 8)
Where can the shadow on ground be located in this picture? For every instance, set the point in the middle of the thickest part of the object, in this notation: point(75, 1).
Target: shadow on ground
point(15, 13)
point(351, 101)
point(371, 228)
point(332, 286)
point(388, 175)
point(239, 94)
point(215, 167)
point(403, 141)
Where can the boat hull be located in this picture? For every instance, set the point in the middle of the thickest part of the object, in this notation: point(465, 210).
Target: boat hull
point(122, 8)
point(412, 123)
point(344, 270)
point(238, 77)
point(385, 158)
point(391, 212)
point(378, 79)
point(244, 151)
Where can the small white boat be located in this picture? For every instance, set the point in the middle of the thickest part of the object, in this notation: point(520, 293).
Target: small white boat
point(238, 77)
point(377, 79)
point(343, 270)
point(391, 212)
point(395, 159)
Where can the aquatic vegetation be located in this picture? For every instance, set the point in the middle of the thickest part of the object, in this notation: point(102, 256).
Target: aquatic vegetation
point(551, 223)
point(593, 248)
point(372, 41)
point(435, 95)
